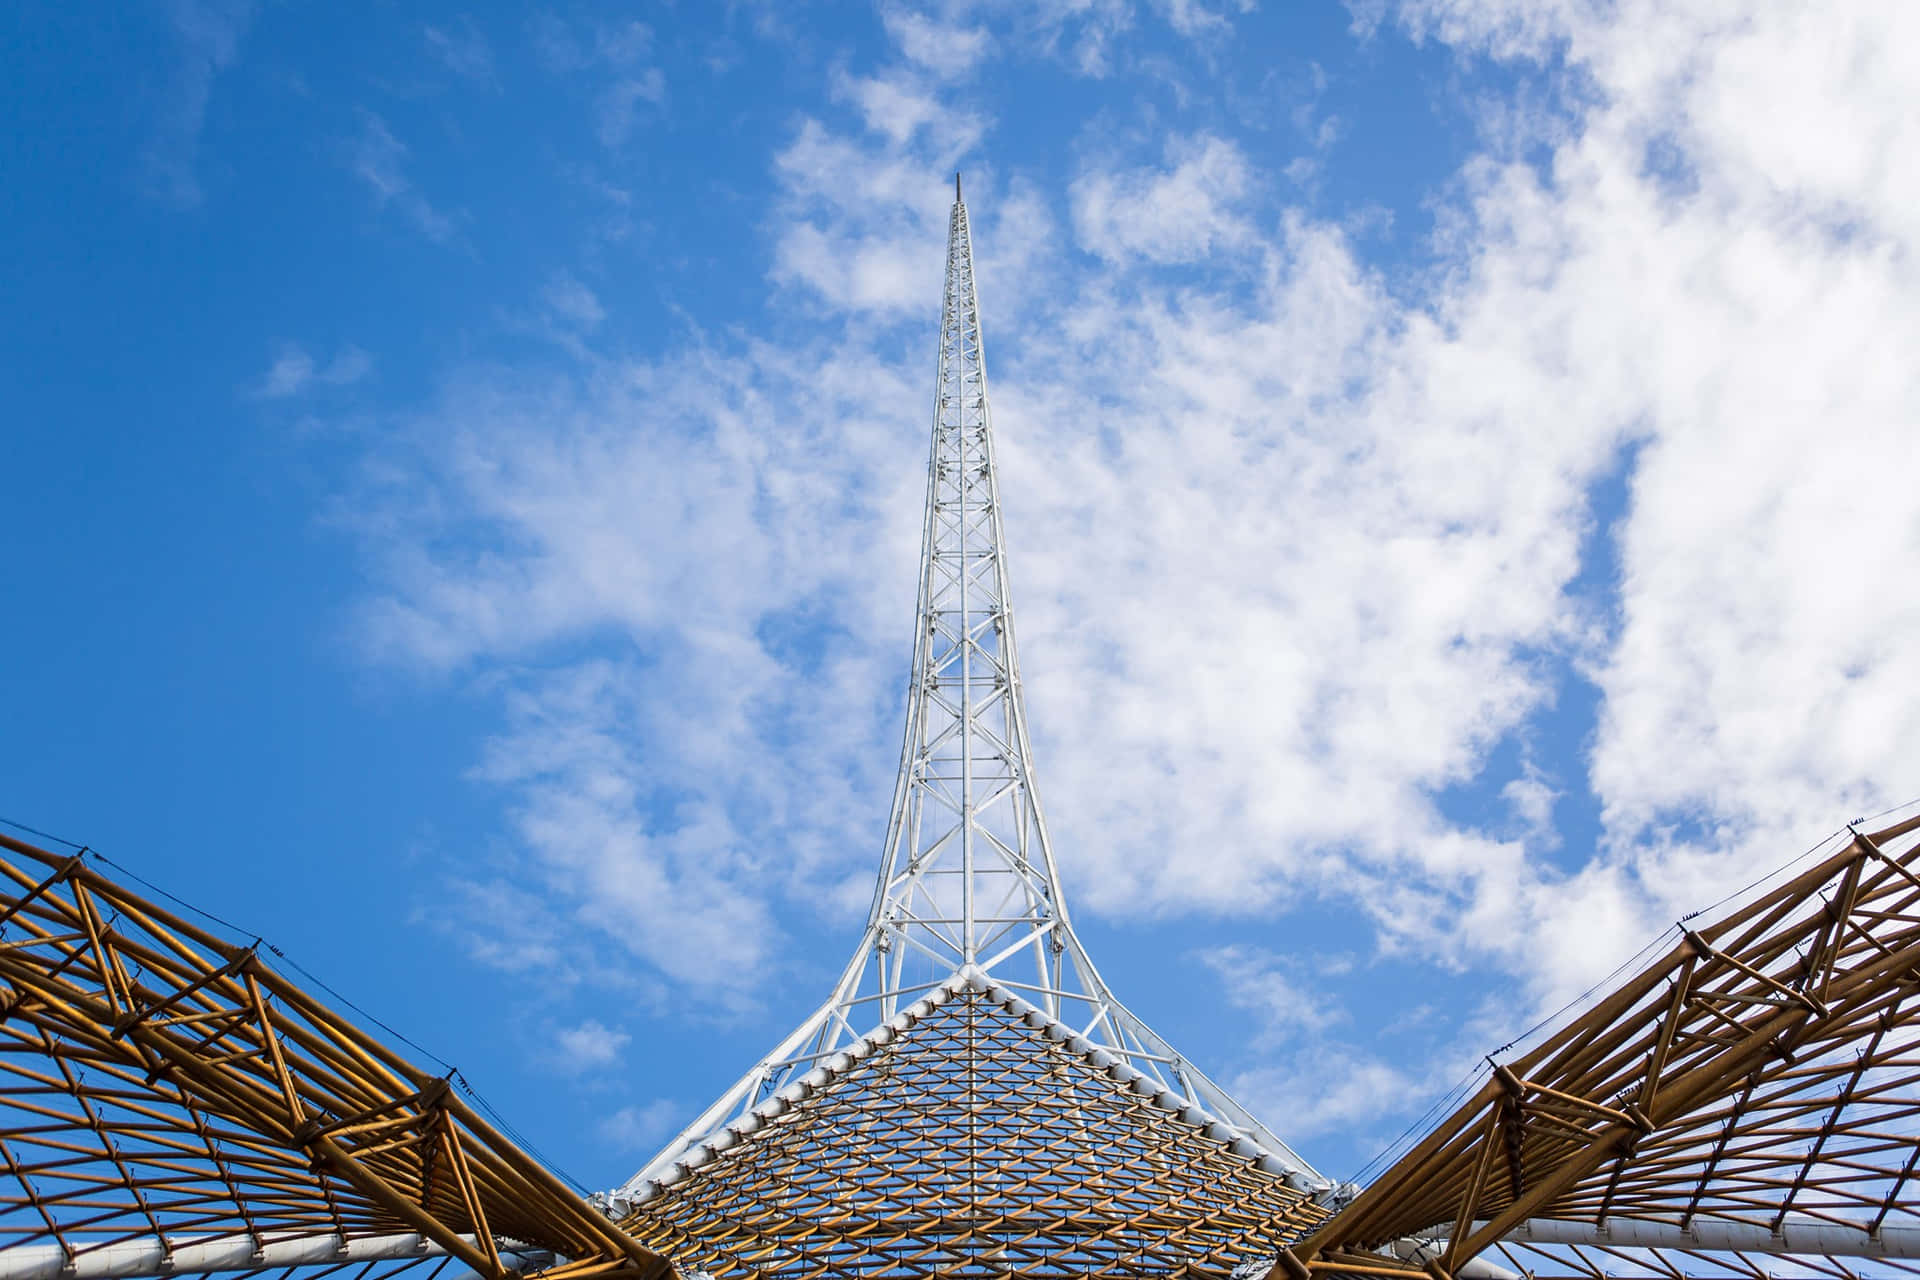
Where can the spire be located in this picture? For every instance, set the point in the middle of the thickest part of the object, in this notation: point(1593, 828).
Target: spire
point(968, 886)
point(967, 877)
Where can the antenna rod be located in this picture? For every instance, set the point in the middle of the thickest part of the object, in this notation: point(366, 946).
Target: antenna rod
point(956, 188)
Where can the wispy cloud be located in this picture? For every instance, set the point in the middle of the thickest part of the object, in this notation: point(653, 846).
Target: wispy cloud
point(1329, 1089)
point(951, 50)
point(573, 302)
point(618, 51)
point(461, 48)
point(1299, 546)
point(1311, 1068)
point(1183, 212)
point(590, 1046)
point(295, 370)
point(1282, 999)
point(378, 159)
point(601, 482)
point(1194, 18)
point(641, 1128)
point(208, 34)
point(619, 103)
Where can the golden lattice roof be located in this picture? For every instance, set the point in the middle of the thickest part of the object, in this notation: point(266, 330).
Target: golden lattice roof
point(973, 1136)
point(170, 1102)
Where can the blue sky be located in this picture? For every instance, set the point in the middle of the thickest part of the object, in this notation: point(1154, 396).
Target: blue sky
point(464, 469)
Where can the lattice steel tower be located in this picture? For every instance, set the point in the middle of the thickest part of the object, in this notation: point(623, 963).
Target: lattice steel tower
point(969, 902)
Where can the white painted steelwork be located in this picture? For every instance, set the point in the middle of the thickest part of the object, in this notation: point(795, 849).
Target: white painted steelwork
point(1803, 1237)
point(967, 877)
point(828, 1069)
point(1809, 1237)
point(190, 1254)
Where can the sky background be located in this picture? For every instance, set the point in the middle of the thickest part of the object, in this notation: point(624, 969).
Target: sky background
point(463, 471)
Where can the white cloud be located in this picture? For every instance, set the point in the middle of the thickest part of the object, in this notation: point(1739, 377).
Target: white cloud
point(461, 49)
point(1194, 18)
point(590, 1046)
point(947, 49)
point(1531, 799)
point(622, 44)
point(378, 159)
point(1094, 38)
point(294, 371)
point(565, 47)
point(685, 505)
point(864, 219)
point(1180, 213)
point(1292, 553)
point(619, 103)
point(614, 53)
point(1268, 987)
point(209, 34)
point(348, 366)
point(573, 302)
point(1082, 33)
point(897, 105)
point(1327, 1090)
point(641, 1128)
point(291, 371)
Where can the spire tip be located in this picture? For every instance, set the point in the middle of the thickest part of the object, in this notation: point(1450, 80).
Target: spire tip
point(956, 188)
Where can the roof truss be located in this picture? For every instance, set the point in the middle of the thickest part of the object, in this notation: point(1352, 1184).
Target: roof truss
point(1755, 1090)
point(168, 1101)
point(972, 1134)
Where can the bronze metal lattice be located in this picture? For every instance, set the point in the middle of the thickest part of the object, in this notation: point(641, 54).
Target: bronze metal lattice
point(973, 1143)
point(1754, 1091)
point(165, 1093)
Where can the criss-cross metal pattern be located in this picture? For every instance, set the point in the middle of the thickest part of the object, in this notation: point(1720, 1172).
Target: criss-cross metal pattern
point(170, 1103)
point(972, 1135)
point(967, 877)
point(1747, 1105)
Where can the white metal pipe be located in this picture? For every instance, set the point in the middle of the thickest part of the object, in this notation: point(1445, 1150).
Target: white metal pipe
point(129, 1259)
point(1799, 1235)
point(1424, 1251)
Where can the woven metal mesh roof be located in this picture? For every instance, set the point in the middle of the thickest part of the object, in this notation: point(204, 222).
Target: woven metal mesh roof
point(977, 1140)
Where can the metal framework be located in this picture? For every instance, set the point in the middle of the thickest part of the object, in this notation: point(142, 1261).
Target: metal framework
point(1747, 1104)
point(170, 1103)
point(967, 877)
point(973, 1135)
point(970, 1101)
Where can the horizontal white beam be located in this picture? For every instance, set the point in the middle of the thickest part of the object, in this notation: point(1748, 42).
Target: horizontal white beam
point(129, 1259)
point(1800, 1235)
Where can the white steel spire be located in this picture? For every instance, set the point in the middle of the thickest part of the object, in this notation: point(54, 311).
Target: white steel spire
point(968, 884)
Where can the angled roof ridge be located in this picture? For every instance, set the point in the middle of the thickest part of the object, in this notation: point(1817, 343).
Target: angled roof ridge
point(1136, 1081)
point(824, 1074)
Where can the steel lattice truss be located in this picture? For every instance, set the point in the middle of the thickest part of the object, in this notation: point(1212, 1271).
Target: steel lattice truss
point(967, 876)
point(970, 1100)
point(169, 1102)
point(1755, 1091)
point(974, 1136)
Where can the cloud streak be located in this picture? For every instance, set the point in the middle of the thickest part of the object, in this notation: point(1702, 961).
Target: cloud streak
point(378, 159)
point(295, 371)
point(208, 34)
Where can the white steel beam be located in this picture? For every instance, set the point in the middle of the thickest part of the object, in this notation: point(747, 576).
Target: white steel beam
point(130, 1259)
point(1806, 1236)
